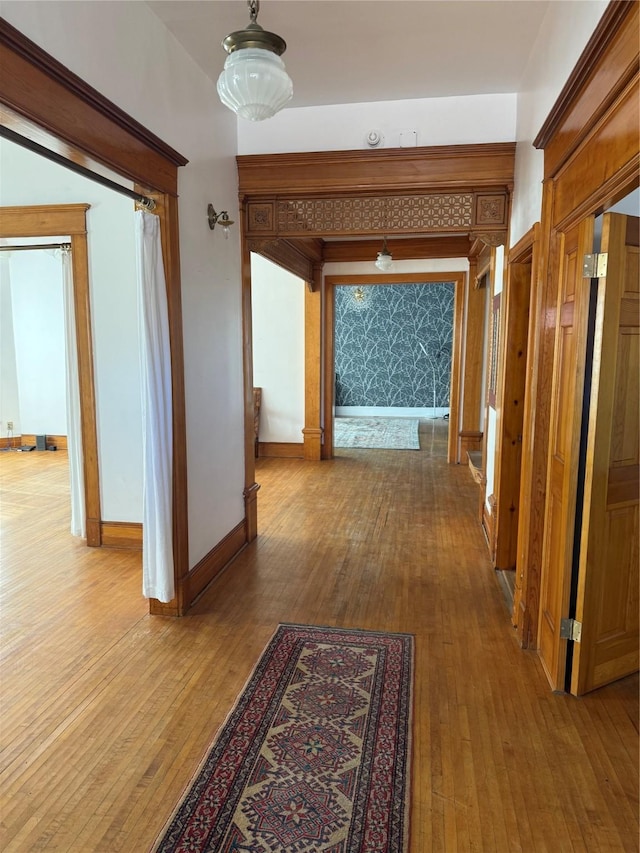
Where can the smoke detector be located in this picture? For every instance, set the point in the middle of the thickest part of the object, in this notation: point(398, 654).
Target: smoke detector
point(374, 139)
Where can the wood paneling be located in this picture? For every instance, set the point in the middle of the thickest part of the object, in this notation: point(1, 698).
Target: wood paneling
point(288, 255)
point(607, 165)
point(348, 251)
point(606, 66)
point(395, 169)
point(107, 712)
point(40, 89)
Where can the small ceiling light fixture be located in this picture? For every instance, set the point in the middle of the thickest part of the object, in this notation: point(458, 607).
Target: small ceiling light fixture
point(221, 218)
point(384, 260)
point(254, 82)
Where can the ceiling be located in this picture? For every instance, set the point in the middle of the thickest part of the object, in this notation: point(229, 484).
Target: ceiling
point(358, 51)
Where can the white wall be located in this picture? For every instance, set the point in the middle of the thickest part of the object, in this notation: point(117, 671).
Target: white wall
point(30, 179)
point(563, 35)
point(39, 336)
point(126, 53)
point(437, 121)
point(278, 349)
point(9, 399)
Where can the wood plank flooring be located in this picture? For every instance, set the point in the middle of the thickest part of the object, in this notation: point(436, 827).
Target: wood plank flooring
point(106, 711)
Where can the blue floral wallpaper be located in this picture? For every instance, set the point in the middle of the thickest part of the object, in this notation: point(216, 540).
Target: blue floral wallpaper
point(393, 344)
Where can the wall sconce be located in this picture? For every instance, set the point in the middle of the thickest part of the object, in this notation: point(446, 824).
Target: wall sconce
point(384, 259)
point(221, 218)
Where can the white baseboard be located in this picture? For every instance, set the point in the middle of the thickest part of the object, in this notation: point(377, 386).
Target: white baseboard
point(390, 412)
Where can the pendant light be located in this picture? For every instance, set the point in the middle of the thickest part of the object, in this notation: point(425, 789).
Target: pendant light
point(384, 260)
point(254, 82)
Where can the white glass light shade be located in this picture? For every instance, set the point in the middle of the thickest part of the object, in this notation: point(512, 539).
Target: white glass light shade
point(384, 261)
point(254, 83)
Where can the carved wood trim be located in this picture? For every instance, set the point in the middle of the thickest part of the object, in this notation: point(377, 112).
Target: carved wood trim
point(450, 168)
point(22, 46)
point(606, 31)
point(607, 68)
point(381, 214)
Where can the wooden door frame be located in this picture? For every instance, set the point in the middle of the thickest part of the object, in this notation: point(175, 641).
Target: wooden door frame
point(591, 160)
point(70, 220)
point(511, 393)
point(328, 374)
point(46, 103)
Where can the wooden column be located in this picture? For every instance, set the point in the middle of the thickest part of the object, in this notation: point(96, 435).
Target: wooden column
point(312, 431)
point(470, 432)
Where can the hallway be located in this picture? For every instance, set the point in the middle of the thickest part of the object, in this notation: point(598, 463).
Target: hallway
point(107, 711)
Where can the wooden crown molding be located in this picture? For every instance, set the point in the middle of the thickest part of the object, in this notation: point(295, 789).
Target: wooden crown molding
point(608, 27)
point(400, 170)
point(16, 41)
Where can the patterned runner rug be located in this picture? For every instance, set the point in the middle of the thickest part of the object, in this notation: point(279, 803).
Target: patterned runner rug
point(314, 757)
point(379, 432)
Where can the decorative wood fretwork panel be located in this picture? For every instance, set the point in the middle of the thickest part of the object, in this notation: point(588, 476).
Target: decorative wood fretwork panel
point(372, 214)
point(451, 212)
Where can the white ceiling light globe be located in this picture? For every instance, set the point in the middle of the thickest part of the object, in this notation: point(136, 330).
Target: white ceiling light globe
point(254, 83)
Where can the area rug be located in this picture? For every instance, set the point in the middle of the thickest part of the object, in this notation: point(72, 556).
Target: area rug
point(314, 757)
point(381, 433)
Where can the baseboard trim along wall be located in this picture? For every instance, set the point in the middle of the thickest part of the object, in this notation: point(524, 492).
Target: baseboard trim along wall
point(215, 561)
point(29, 440)
point(391, 411)
point(285, 449)
point(121, 534)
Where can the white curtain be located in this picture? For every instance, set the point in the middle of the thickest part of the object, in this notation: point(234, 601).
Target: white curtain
point(74, 430)
point(157, 433)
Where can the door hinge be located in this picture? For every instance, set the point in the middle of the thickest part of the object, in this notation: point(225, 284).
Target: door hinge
point(570, 629)
point(595, 266)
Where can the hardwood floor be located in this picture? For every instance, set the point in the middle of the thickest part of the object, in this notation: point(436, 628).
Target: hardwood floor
point(107, 711)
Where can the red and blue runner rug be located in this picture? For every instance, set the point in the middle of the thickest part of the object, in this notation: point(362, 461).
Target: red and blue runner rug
point(314, 757)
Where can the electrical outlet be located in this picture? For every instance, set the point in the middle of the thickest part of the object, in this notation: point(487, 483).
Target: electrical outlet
point(10, 426)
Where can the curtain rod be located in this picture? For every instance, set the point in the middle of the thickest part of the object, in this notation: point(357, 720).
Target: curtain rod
point(35, 246)
point(12, 136)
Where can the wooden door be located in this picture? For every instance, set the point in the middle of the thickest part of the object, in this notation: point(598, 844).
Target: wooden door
point(564, 445)
point(607, 603)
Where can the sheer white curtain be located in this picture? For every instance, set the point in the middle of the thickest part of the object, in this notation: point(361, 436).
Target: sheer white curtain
point(157, 433)
point(74, 430)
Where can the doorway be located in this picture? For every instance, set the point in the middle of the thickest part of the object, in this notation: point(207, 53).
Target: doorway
point(331, 285)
